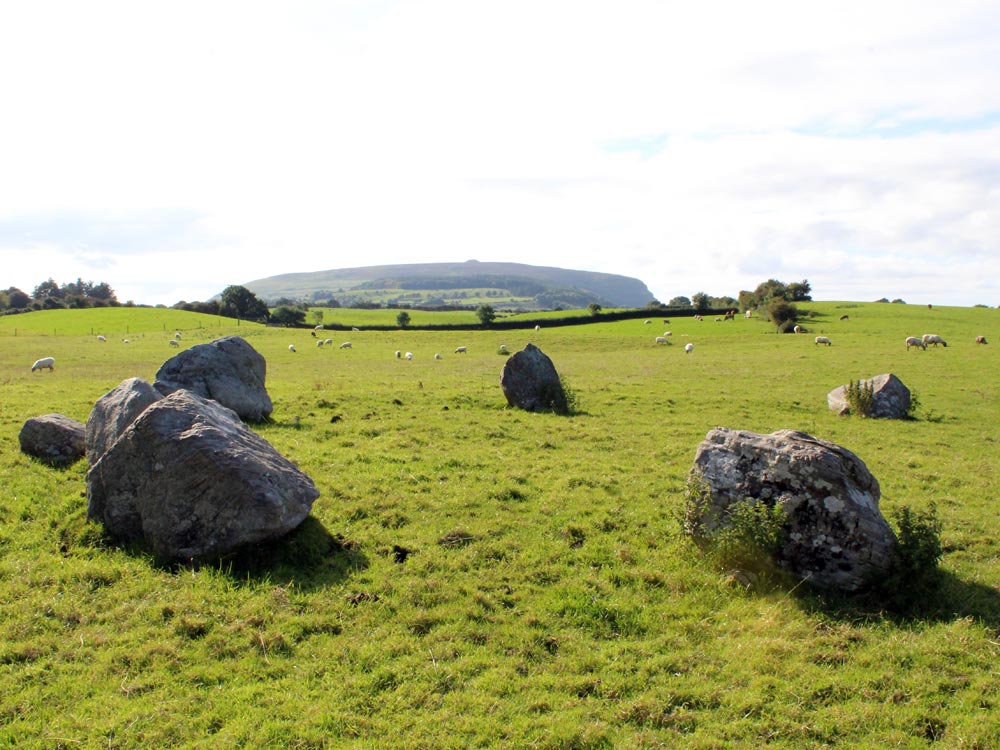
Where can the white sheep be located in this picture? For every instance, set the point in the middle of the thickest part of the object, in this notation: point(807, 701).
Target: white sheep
point(319, 343)
point(291, 347)
point(823, 340)
point(101, 338)
point(646, 322)
point(915, 341)
point(933, 338)
point(661, 340)
point(437, 356)
point(688, 348)
point(538, 328)
point(328, 342)
point(797, 329)
point(461, 350)
point(748, 314)
point(667, 334)
point(318, 328)
point(503, 349)
point(980, 339)
point(174, 342)
point(346, 345)
point(398, 354)
point(355, 329)
point(409, 355)
point(44, 363)
point(126, 341)
point(177, 335)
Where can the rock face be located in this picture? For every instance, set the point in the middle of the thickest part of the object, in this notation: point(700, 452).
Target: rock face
point(529, 381)
point(227, 370)
point(835, 535)
point(53, 438)
point(189, 478)
point(890, 398)
point(114, 411)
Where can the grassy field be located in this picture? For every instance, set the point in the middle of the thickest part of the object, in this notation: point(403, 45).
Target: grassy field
point(475, 576)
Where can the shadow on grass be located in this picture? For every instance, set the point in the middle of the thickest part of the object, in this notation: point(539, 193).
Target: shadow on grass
point(950, 599)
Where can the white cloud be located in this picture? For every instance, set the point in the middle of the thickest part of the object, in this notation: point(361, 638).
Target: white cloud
point(698, 147)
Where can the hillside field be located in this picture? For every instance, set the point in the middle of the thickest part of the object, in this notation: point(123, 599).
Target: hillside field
point(477, 576)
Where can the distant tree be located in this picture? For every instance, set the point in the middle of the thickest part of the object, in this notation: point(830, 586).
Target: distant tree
point(288, 316)
point(486, 314)
point(103, 291)
point(16, 299)
point(595, 309)
point(403, 319)
point(48, 288)
point(899, 301)
point(240, 302)
point(798, 291)
point(679, 302)
point(768, 290)
point(746, 301)
point(317, 316)
point(700, 301)
point(783, 314)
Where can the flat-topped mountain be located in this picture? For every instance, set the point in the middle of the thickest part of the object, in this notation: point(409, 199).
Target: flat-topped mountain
point(503, 285)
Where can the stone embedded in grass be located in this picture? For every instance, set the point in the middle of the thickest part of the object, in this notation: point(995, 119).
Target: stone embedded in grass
point(227, 370)
point(890, 398)
point(53, 438)
point(114, 411)
point(833, 535)
point(189, 479)
point(529, 381)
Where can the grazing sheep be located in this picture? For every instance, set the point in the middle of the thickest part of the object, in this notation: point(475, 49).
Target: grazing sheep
point(174, 342)
point(843, 317)
point(798, 329)
point(101, 338)
point(318, 328)
point(538, 328)
point(409, 355)
point(328, 342)
point(461, 350)
point(718, 319)
point(503, 349)
point(646, 322)
point(319, 343)
point(661, 340)
point(823, 340)
point(437, 356)
point(667, 334)
point(688, 348)
point(177, 335)
point(748, 314)
point(355, 329)
point(346, 345)
point(980, 339)
point(398, 354)
point(44, 363)
point(933, 338)
point(291, 347)
point(126, 341)
point(914, 341)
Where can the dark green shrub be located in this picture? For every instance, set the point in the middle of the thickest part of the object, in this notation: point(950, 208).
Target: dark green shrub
point(861, 397)
point(915, 574)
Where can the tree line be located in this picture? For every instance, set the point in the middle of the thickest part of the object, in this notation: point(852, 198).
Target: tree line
point(50, 295)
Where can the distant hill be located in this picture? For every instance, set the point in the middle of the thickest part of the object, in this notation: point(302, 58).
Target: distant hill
point(503, 285)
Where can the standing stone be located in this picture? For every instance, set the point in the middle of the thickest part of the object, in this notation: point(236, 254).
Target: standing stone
point(227, 370)
point(890, 398)
point(192, 481)
point(114, 411)
point(529, 381)
point(835, 535)
point(53, 438)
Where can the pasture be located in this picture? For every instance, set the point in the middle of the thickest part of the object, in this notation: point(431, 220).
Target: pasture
point(476, 576)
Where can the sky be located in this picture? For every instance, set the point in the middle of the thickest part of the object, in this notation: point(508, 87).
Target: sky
point(172, 148)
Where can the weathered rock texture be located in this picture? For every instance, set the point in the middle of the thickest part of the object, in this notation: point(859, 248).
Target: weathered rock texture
point(227, 370)
point(53, 438)
point(189, 478)
point(114, 411)
point(529, 381)
point(835, 535)
point(890, 398)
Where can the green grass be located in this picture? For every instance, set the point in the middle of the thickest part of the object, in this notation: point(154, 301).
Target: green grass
point(475, 576)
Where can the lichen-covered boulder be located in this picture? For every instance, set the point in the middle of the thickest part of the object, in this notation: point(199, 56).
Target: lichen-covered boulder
point(53, 438)
point(192, 481)
point(834, 535)
point(227, 370)
point(890, 398)
point(114, 411)
point(529, 381)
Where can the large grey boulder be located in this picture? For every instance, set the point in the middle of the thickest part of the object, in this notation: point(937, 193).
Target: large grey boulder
point(53, 438)
point(890, 398)
point(529, 381)
point(227, 370)
point(192, 481)
point(114, 411)
point(835, 535)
